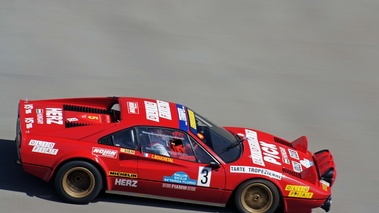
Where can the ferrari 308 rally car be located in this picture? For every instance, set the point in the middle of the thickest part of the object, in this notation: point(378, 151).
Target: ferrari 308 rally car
point(164, 150)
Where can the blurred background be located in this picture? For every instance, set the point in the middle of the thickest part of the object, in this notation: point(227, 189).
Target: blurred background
point(290, 68)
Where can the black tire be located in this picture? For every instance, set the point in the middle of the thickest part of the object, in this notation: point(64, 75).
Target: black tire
point(78, 182)
point(257, 196)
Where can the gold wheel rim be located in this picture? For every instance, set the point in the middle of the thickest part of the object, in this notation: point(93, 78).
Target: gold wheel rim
point(78, 182)
point(257, 198)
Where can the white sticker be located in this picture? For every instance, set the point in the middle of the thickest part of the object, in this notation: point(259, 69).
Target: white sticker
point(293, 154)
point(54, 116)
point(104, 152)
point(255, 170)
point(133, 108)
point(164, 109)
point(255, 149)
point(28, 108)
point(204, 177)
point(151, 111)
point(43, 147)
point(306, 163)
point(297, 167)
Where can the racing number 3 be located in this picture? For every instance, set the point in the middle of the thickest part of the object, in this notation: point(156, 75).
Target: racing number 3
point(204, 178)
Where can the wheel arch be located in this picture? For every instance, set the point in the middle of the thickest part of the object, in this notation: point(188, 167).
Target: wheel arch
point(91, 161)
point(275, 183)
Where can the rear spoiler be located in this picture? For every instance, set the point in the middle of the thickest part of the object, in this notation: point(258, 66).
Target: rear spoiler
point(300, 144)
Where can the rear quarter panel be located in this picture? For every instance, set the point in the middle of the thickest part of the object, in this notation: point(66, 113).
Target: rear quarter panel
point(50, 152)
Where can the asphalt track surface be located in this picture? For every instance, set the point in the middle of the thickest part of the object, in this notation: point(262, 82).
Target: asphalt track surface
point(291, 68)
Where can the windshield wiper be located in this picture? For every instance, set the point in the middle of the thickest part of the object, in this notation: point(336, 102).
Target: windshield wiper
point(234, 144)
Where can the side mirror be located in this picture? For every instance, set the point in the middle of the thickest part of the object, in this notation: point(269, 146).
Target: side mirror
point(214, 165)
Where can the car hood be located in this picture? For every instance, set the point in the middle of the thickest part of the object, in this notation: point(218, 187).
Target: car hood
point(263, 150)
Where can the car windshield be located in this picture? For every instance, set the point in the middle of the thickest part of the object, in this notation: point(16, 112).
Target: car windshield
point(215, 137)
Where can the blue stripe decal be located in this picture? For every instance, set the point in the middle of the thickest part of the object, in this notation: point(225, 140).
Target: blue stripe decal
point(183, 121)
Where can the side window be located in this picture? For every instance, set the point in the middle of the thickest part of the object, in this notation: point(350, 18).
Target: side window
point(155, 140)
point(201, 155)
point(167, 142)
point(125, 139)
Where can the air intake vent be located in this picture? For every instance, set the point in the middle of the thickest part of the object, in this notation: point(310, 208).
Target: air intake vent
point(292, 173)
point(76, 108)
point(107, 140)
point(75, 124)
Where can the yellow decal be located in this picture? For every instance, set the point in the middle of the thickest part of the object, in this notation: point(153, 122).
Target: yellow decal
point(192, 119)
point(300, 194)
point(127, 151)
point(325, 187)
point(162, 158)
point(299, 191)
point(297, 188)
point(93, 117)
point(122, 174)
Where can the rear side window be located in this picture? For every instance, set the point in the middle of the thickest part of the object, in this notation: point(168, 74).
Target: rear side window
point(124, 139)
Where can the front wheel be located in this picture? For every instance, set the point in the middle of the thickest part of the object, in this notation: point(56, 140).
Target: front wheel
point(78, 182)
point(257, 196)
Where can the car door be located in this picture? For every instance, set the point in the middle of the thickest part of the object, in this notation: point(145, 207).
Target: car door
point(185, 176)
point(122, 173)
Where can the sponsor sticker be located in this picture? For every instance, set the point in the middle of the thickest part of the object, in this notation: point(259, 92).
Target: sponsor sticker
point(182, 117)
point(39, 113)
point(110, 153)
point(164, 110)
point(293, 154)
point(28, 108)
point(255, 149)
point(151, 111)
point(29, 123)
point(72, 119)
point(125, 182)
point(43, 147)
point(299, 191)
point(192, 120)
point(128, 151)
point(306, 163)
point(325, 185)
point(133, 107)
point(122, 174)
point(181, 178)
point(256, 170)
point(297, 188)
point(162, 158)
point(54, 116)
point(300, 194)
point(297, 167)
point(180, 187)
point(284, 155)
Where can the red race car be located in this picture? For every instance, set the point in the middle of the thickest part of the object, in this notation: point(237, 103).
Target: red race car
point(164, 150)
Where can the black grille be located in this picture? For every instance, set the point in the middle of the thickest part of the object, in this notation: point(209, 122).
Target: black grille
point(75, 124)
point(77, 108)
point(293, 173)
point(282, 141)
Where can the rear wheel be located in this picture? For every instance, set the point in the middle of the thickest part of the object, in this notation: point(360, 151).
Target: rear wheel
point(78, 182)
point(257, 196)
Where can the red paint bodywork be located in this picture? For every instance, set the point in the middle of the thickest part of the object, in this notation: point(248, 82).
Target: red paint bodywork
point(52, 132)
